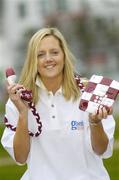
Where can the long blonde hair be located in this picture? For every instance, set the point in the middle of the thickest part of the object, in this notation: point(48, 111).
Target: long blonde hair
point(29, 71)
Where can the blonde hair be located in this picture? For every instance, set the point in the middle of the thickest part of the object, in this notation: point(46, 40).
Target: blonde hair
point(29, 71)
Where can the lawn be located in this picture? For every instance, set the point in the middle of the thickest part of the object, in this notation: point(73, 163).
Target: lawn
point(8, 169)
point(112, 164)
point(14, 172)
point(11, 172)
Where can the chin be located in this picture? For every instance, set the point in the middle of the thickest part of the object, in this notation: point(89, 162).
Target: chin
point(52, 75)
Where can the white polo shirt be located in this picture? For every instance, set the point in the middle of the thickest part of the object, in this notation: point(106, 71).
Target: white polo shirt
point(63, 151)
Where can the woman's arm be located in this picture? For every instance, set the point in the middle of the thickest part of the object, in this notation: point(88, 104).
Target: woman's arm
point(21, 142)
point(99, 139)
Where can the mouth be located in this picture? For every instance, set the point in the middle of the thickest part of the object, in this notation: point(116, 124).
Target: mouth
point(51, 66)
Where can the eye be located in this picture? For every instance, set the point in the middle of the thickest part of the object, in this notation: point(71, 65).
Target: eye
point(55, 52)
point(40, 55)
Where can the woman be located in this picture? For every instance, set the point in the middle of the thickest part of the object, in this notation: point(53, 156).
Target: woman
point(72, 143)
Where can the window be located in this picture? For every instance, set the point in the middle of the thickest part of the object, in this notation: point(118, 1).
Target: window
point(62, 4)
point(1, 15)
point(1, 8)
point(21, 10)
point(47, 7)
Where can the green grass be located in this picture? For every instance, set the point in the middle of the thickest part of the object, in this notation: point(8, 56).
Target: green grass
point(11, 172)
point(14, 172)
point(112, 163)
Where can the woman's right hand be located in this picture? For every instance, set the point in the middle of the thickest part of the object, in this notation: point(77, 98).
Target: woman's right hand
point(14, 92)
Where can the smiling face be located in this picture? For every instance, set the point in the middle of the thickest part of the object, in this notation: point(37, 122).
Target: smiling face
point(50, 59)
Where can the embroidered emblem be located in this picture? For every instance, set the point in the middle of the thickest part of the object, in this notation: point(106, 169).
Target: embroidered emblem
point(77, 125)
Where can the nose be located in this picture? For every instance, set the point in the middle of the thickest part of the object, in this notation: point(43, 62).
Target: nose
point(48, 57)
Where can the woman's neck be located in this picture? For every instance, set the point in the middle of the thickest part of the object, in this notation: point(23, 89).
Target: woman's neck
point(52, 84)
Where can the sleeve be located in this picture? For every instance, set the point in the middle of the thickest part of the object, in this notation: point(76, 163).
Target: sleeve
point(7, 141)
point(109, 128)
point(8, 135)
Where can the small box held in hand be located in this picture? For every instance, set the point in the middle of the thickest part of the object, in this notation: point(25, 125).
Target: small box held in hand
point(26, 95)
point(10, 75)
point(99, 92)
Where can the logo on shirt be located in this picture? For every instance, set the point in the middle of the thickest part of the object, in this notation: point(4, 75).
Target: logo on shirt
point(77, 125)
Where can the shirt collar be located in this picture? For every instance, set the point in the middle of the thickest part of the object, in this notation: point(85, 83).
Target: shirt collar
point(40, 84)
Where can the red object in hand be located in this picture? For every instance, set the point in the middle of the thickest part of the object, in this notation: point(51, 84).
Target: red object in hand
point(10, 75)
point(9, 72)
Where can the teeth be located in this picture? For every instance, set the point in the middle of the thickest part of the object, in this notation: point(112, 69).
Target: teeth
point(49, 67)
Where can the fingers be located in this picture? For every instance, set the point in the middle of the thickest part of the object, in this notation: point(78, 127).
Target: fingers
point(15, 88)
point(110, 111)
point(14, 92)
point(96, 116)
point(102, 113)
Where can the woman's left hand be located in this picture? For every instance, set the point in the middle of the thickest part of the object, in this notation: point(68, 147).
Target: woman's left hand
point(102, 113)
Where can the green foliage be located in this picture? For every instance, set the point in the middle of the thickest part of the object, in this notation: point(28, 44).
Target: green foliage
point(2, 107)
point(116, 135)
